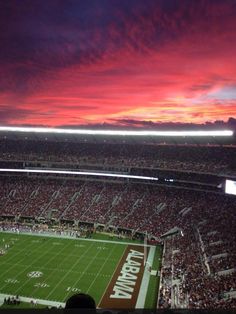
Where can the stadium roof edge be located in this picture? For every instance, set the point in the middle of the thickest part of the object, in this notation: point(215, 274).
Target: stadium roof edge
point(136, 133)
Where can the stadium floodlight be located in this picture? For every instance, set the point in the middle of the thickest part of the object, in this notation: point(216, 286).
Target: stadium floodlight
point(83, 173)
point(116, 132)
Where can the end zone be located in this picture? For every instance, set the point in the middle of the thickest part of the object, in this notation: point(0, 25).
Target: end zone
point(123, 290)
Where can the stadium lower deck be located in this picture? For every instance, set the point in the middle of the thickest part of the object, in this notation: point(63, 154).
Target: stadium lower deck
point(186, 212)
point(202, 278)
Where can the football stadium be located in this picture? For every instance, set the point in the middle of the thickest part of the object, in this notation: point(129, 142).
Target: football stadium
point(135, 219)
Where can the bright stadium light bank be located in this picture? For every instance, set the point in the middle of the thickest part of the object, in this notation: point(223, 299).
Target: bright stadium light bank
point(217, 133)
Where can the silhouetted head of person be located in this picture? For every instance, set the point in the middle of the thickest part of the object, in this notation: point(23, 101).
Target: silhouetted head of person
point(80, 301)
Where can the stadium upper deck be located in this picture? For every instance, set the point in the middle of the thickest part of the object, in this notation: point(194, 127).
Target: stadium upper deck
point(189, 164)
point(120, 157)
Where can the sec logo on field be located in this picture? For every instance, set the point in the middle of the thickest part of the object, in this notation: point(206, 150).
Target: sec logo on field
point(35, 274)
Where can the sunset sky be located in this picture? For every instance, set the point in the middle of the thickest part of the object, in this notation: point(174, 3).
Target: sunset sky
point(85, 62)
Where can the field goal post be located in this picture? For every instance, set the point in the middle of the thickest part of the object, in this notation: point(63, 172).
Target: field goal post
point(146, 264)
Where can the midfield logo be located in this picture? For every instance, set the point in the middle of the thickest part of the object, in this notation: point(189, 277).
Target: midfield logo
point(35, 274)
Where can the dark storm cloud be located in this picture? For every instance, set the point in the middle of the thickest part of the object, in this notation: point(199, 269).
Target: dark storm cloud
point(58, 33)
point(231, 124)
point(7, 114)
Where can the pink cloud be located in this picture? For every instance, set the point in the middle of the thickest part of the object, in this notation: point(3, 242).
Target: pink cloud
point(149, 76)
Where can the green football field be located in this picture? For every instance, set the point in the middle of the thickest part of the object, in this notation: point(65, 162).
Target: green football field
point(52, 269)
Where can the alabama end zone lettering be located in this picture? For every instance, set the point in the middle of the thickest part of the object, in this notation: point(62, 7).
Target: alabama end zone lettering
point(124, 286)
point(123, 289)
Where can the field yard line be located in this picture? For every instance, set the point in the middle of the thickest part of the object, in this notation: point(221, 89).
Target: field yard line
point(100, 269)
point(145, 280)
point(20, 251)
point(95, 256)
point(33, 262)
point(70, 270)
point(28, 300)
point(112, 277)
point(50, 235)
point(17, 264)
point(54, 270)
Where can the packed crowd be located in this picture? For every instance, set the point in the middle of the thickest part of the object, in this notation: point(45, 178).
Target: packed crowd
point(205, 275)
point(217, 159)
point(201, 289)
point(202, 258)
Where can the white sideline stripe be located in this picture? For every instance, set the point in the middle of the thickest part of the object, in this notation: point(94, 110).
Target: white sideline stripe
point(28, 300)
point(116, 132)
point(145, 280)
point(49, 235)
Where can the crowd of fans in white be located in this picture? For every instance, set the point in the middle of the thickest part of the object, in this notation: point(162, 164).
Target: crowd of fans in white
point(198, 266)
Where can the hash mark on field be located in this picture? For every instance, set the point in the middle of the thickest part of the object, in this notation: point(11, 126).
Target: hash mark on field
point(98, 273)
point(87, 267)
point(69, 272)
point(51, 259)
point(34, 261)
